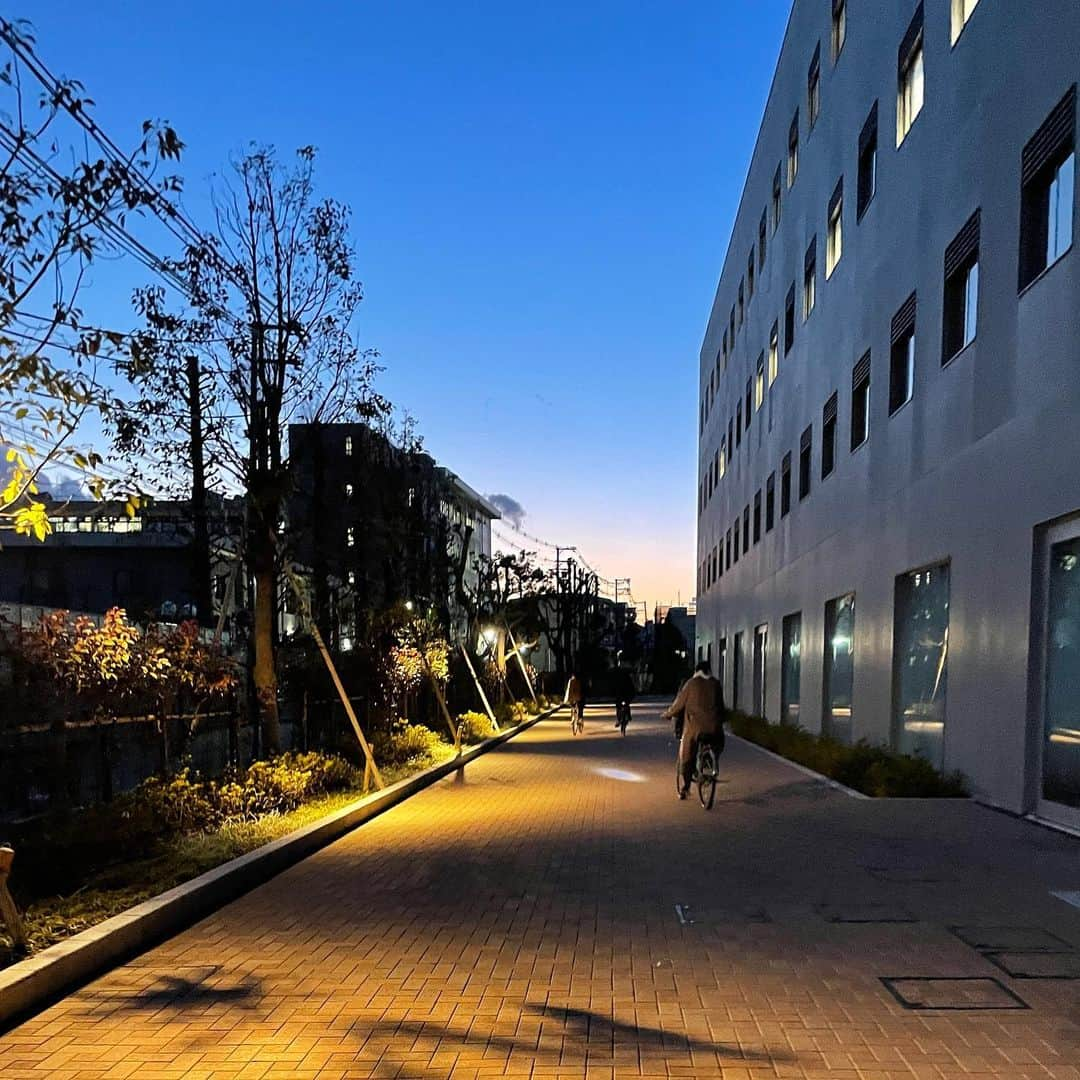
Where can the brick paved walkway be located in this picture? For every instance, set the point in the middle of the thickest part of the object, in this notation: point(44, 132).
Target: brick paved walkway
point(521, 921)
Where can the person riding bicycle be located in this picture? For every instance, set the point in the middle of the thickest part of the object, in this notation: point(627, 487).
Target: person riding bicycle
point(575, 696)
point(700, 704)
point(624, 692)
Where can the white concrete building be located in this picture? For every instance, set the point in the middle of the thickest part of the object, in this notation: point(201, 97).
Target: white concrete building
point(889, 466)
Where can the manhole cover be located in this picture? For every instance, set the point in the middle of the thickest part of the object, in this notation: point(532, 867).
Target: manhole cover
point(866, 913)
point(952, 994)
point(1037, 965)
point(1009, 938)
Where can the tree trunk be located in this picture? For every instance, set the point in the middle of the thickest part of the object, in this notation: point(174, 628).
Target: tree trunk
point(265, 670)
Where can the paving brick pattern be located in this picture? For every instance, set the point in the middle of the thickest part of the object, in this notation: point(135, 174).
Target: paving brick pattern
point(520, 920)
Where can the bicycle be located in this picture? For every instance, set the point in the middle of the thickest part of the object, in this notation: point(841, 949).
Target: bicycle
point(706, 770)
point(622, 715)
point(577, 718)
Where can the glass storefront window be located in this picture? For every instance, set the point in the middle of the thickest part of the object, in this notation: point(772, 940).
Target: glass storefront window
point(761, 649)
point(836, 718)
point(920, 662)
point(1061, 709)
point(790, 669)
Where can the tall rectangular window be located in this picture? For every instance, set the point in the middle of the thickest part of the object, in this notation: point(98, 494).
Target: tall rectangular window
point(867, 163)
point(791, 668)
point(750, 275)
point(920, 662)
point(770, 502)
point(740, 305)
point(723, 458)
point(738, 423)
point(834, 239)
point(828, 437)
point(785, 485)
point(348, 446)
point(776, 206)
point(839, 27)
point(837, 720)
point(746, 529)
point(737, 671)
point(902, 356)
point(910, 79)
point(810, 279)
point(1047, 174)
point(761, 652)
point(736, 539)
point(961, 12)
point(860, 402)
point(757, 517)
point(749, 412)
point(774, 353)
point(813, 89)
point(805, 455)
point(731, 444)
point(763, 228)
point(789, 320)
point(731, 328)
point(961, 307)
point(759, 382)
point(727, 543)
point(725, 349)
point(793, 150)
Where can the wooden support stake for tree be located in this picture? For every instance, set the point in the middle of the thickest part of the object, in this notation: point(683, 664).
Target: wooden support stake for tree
point(521, 663)
point(8, 910)
point(480, 687)
point(455, 733)
point(305, 611)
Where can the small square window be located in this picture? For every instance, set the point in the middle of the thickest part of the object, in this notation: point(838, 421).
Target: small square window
point(961, 307)
point(785, 485)
point(810, 279)
point(839, 27)
point(828, 437)
point(813, 89)
point(770, 502)
point(1048, 194)
point(806, 446)
point(860, 402)
point(910, 78)
point(902, 356)
point(867, 185)
point(793, 150)
point(789, 320)
point(834, 240)
point(776, 205)
point(962, 10)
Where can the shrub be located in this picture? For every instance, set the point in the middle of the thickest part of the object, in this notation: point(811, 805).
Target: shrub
point(408, 743)
point(475, 727)
point(873, 770)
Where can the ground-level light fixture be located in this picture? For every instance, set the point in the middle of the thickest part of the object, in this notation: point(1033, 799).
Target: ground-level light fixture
point(408, 605)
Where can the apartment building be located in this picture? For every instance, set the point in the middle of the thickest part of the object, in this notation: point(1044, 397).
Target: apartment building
point(889, 420)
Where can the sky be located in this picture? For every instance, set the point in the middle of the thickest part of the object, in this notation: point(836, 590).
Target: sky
point(541, 195)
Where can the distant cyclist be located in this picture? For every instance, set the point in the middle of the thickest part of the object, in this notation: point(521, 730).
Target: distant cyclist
point(624, 694)
point(575, 698)
point(700, 704)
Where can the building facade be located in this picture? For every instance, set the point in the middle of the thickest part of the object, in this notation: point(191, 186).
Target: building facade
point(889, 421)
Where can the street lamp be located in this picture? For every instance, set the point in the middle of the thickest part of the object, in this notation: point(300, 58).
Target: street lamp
point(409, 605)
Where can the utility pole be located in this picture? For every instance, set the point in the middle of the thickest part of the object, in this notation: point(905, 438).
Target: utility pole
point(200, 526)
point(560, 611)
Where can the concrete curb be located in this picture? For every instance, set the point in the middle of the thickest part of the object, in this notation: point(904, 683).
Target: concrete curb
point(32, 984)
point(803, 769)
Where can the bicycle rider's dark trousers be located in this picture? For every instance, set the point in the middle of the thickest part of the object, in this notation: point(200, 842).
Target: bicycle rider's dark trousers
point(688, 746)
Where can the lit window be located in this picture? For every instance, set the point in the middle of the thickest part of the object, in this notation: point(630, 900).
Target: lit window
point(793, 150)
point(828, 437)
point(350, 537)
point(813, 88)
point(961, 290)
point(910, 88)
point(352, 577)
point(839, 27)
point(961, 12)
point(867, 184)
point(834, 239)
point(348, 491)
point(774, 353)
point(776, 207)
point(759, 382)
point(348, 446)
point(860, 402)
point(723, 458)
point(902, 356)
point(810, 279)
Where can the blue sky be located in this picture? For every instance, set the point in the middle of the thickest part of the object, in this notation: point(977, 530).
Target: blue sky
point(542, 196)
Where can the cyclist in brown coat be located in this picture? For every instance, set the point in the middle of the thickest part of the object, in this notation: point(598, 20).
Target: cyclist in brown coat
point(700, 702)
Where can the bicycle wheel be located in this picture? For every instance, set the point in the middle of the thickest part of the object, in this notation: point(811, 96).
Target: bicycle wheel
point(706, 786)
